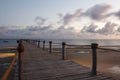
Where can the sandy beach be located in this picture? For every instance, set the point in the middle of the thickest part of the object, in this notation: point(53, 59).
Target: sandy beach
point(108, 61)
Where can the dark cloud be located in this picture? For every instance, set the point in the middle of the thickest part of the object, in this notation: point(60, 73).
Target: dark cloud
point(38, 28)
point(109, 28)
point(98, 12)
point(61, 27)
point(117, 14)
point(68, 18)
point(118, 29)
point(91, 28)
point(70, 28)
point(40, 20)
point(60, 15)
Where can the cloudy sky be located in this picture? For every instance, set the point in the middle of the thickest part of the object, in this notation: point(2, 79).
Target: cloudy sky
point(60, 19)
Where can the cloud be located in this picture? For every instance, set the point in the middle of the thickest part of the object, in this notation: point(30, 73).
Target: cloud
point(118, 29)
point(60, 15)
point(91, 28)
point(39, 28)
point(68, 18)
point(108, 28)
point(62, 32)
point(40, 20)
point(37, 31)
point(98, 11)
point(3, 29)
point(117, 14)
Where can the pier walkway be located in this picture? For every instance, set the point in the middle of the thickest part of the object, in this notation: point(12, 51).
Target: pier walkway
point(38, 64)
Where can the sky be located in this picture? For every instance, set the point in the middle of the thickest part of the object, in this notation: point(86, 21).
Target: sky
point(60, 19)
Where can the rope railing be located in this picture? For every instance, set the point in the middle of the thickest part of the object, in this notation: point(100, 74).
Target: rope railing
point(108, 49)
point(79, 47)
point(76, 45)
point(20, 50)
point(7, 72)
point(110, 46)
point(94, 47)
point(18, 56)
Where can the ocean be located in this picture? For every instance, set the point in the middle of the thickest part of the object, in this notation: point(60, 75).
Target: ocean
point(8, 42)
point(101, 42)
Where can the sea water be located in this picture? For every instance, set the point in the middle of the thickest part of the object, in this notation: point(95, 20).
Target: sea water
point(8, 42)
point(101, 42)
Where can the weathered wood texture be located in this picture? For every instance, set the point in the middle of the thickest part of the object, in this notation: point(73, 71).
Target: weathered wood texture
point(40, 65)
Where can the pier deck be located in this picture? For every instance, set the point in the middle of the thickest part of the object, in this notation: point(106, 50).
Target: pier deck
point(38, 64)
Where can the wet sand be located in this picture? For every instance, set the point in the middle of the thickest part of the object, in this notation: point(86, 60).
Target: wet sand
point(108, 61)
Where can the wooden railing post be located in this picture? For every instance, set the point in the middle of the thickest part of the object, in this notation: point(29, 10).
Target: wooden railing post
point(63, 51)
point(50, 47)
point(19, 67)
point(20, 49)
point(38, 43)
point(44, 45)
point(94, 47)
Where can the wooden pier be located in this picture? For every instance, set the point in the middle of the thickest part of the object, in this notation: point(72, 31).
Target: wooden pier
point(39, 64)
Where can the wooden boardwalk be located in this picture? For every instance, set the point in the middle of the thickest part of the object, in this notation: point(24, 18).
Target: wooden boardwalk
point(40, 65)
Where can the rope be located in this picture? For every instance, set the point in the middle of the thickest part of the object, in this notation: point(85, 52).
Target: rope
point(5, 76)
